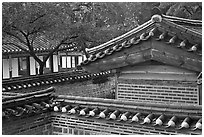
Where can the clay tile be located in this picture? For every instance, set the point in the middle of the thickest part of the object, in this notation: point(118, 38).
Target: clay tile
point(182, 44)
point(142, 36)
point(152, 31)
point(148, 119)
point(115, 114)
point(45, 104)
point(136, 117)
point(125, 116)
point(94, 112)
point(14, 87)
point(10, 111)
point(104, 113)
point(37, 106)
point(20, 111)
point(193, 48)
point(84, 111)
point(185, 123)
point(172, 122)
point(199, 124)
point(124, 43)
point(156, 18)
point(29, 108)
point(160, 120)
point(74, 110)
point(172, 40)
point(56, 107)
point(162, 36)
point(8, 88)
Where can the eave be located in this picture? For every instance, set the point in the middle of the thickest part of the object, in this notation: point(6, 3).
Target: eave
point(159, 39)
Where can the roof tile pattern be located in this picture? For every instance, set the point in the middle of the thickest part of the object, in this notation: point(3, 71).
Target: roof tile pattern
point(132, 112)
point(30, 82)
point(30, 103)
point(156, 29)
point(40, 45)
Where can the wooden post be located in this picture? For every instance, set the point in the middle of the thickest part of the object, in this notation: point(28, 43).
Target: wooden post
point(58, 61)
point(51, 63)
point(10, 66)
point(28, 65)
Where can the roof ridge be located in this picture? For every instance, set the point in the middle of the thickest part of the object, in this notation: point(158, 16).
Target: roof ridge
point(40, 92)
point(183, 20)
point(121, 37)
point(129, 103)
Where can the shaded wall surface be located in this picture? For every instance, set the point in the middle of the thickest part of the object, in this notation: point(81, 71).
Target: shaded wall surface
point(39, 124)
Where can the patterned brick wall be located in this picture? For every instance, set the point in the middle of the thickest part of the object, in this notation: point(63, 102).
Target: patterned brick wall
point(68, 124)
point(30, 125)
point(87, 89)
point(168, 91)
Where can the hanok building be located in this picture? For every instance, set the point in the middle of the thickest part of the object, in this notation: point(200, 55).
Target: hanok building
point(18, 63)
point(158, 76)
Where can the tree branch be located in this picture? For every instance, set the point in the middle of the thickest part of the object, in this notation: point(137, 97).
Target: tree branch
point(37, 18)
point(13, 35)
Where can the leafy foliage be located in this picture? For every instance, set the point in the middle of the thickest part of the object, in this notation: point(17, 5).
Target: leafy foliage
point(86, 23)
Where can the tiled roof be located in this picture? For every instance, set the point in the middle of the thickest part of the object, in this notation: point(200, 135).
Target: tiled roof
point(23, 104)
point(34, 81)
point(178, 117)
point(162, 28)
point(40, 45)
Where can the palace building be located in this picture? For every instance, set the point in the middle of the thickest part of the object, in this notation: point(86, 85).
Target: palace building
point(157, 72)
point(18, 63)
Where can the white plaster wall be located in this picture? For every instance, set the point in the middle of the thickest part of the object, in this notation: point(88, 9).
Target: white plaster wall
point(32, 66)
point(47, 63)
point(80, 60)
point(68, 62)
point(55, 63)
point(14, 67)
point(63, 61)
point(73, 62)
point(5, 68)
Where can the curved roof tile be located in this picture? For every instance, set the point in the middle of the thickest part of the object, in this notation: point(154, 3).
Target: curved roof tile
point(160, 117)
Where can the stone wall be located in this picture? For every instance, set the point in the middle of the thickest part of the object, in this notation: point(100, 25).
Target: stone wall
point(30, 125)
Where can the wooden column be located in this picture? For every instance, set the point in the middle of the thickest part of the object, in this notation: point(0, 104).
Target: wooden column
point(28, 65)
point(51, 63)
point(10, 66)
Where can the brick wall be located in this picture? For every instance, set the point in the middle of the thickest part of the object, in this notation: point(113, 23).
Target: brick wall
point(30, 125)
point(168, 91)
point(87, 89)
point(69, 124)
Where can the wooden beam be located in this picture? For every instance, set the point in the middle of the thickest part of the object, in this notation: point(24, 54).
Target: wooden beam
point(120, 61)
point(177, 60)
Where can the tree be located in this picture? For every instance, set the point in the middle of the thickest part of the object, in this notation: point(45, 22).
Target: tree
point(87, 24)
point(25, 23)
